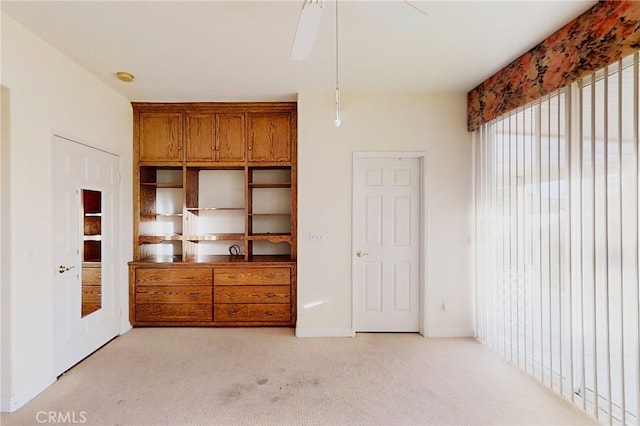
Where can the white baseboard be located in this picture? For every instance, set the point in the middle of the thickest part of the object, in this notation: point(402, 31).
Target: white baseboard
point(450, 332)
point(11, 404)
point(324, 332)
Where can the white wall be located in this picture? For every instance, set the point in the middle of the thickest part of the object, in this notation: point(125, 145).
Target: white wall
point(45, 92)
point(435, 123)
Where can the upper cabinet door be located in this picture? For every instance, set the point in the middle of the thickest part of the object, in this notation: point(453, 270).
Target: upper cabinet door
point(200, 142)
point(270, 137)
point(160, 136)
point(231, 141)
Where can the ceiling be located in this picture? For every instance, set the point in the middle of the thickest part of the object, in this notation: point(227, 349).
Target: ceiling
point(187, 51)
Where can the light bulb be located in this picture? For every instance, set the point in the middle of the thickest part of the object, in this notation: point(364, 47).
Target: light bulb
point(337, 122)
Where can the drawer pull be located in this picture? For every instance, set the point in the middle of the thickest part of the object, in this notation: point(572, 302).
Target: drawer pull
point(271, 295)
point(233, 294)
point(232, 313)
point(155, 312)
point(270, 313)
point(192, 314)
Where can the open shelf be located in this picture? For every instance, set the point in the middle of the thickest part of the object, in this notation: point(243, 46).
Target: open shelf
point(270, 185)
point(196, 209)
point(154, 239)
point(216, 237)
point(162, 184)
point(271, 238)
point(200, 203)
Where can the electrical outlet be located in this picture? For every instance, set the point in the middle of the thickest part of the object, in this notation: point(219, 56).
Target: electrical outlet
point(317, 237)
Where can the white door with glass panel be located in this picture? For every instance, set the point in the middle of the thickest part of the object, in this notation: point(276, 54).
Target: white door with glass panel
point(85, 203)
point(386, 258)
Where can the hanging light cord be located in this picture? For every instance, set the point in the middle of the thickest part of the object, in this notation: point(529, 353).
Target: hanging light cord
point(337, 121)
point(337, 85)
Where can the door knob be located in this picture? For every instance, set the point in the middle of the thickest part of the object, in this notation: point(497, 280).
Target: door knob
point(360, 253)
point(62, 269)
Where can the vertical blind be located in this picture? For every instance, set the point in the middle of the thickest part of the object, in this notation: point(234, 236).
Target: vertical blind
point(557, 263)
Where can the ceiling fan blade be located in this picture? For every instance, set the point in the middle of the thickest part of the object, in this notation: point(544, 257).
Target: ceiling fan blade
point(408, 16)
point(307, 29)
point(415, 7)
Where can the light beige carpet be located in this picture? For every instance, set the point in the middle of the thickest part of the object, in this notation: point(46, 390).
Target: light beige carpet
point(266, 376)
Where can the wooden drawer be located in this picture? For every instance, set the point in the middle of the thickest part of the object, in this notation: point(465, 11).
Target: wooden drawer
point(91, 275)
point(251, 294)
point(158, 312)
point(252, 276)
point(159, 276)
point(251, 312)
point(173, 294)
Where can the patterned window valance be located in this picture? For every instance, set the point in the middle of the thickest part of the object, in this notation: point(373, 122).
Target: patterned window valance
point(607, 32)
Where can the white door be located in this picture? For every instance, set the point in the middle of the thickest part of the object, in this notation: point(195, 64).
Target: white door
point(386, 258)
point(85, 203)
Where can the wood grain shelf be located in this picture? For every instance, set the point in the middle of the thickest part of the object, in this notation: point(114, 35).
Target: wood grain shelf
point(155, 239)
point(162, 184)
point(195, 209)
point(161, 215)
point(272, 238)
point(215, 237)
point(270, 185)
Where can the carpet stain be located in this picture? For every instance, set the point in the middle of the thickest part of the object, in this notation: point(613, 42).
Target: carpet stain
point(304, 383)
point(233, 393)
point(262, 382)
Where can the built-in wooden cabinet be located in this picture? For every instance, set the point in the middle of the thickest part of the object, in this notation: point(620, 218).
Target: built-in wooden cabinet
point(174, 294)
point(160, 136)
point(231, 138)
point(214, 230)
point(252, 294)
point(200, 141)
point(215, 137)
point(270, 136)
point(213, 294)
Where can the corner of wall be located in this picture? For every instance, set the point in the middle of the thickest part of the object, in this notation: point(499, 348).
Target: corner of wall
point(5, 254)
point(450, 332)
point(324, 332)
